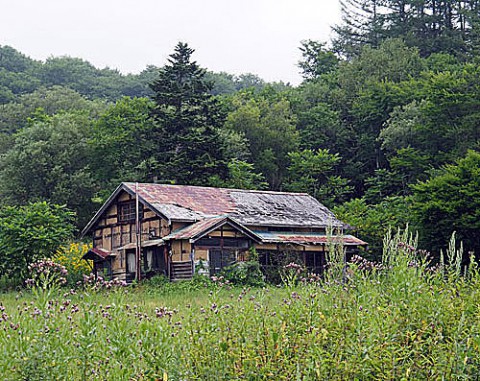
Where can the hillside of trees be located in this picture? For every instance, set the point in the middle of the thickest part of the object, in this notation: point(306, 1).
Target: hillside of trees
point(384, 129)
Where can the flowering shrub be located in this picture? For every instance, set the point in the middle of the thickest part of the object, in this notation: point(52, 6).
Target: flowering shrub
point(70, 256)
point(366, 265)
point(46, 277)
point(312, 278)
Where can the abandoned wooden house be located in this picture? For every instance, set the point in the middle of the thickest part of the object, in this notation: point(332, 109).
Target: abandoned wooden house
point(148, 229)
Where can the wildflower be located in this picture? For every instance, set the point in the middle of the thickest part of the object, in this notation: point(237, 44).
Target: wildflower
point(295, 295)
point(161, 312)
point(294, 266)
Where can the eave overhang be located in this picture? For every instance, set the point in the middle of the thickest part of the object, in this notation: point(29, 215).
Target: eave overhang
point(204, 227)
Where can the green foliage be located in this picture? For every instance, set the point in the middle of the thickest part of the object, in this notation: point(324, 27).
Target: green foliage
point(121, 145)
point(31, 233)
point(316, 59)
point(318, 124)
point(313, 172)
point(449, 201)
point(246, 273)
point(188, 118)
point(371, 222)
point(431, 26)
point(438, 119)
point(242, 175)
point(266, 121)
point(156, 281)
point(161, 285)
point(402, 126)
point(15, 115)
point(48, 160)
point(224, 83)
point(17, 74)
point(22, 75)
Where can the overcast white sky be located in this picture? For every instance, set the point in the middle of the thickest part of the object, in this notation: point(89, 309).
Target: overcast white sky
point(242, 36)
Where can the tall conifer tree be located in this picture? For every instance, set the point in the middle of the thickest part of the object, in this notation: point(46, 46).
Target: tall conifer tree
point(187, 118)
point(433, 26)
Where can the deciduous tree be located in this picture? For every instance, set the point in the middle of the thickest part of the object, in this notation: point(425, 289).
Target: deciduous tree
point(449, 201)
point(30, 233)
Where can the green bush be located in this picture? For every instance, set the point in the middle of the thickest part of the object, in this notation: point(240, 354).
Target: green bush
point(244, 273)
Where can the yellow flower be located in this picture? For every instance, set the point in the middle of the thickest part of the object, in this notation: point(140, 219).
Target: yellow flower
point(71, 255)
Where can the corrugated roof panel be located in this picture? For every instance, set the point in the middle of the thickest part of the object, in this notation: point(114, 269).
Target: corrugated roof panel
point(308, 238)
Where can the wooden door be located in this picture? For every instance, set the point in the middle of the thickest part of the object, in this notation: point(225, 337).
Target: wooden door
point(218, 259)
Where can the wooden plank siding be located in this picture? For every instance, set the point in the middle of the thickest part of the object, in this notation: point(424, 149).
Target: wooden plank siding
point(113, 235)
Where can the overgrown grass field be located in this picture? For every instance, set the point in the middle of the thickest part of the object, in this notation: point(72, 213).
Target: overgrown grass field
point(401, 320)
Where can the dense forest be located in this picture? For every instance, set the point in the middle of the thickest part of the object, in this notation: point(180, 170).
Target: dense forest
point(384, 129)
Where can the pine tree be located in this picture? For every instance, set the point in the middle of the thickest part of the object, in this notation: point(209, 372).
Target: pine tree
point(362, 24)
point(187, 119)
point(432, 26)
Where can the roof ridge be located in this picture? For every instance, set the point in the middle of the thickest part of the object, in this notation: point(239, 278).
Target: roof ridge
point(132, 186)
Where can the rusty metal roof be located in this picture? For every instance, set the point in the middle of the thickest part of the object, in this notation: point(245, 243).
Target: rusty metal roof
point(257, 208)
point(308, 238)
point(184, 203)
point(200, 229)
point(97, 253)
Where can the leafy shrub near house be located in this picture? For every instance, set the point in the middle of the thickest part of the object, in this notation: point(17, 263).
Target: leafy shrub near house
point(244, 273)
point(30, 233)
point(70, 256)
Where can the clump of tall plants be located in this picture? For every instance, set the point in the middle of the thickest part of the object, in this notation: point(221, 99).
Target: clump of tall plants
point(407, 318)
point(46, 278)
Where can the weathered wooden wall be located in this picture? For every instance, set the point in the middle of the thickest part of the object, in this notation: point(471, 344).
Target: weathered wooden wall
point(111, 234)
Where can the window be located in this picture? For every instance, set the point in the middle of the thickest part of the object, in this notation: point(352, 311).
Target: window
point(127, 212)
point(105, 269)
point(131, 265)
point(149, 260)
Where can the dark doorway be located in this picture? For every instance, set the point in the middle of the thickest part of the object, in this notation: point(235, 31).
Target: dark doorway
point(131, 265)
point(154, 261)
point(220, 259)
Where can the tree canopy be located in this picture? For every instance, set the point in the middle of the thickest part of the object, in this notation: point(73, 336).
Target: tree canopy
point(383, 129)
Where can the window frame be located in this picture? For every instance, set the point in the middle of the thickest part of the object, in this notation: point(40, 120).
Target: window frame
point(128, 216)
